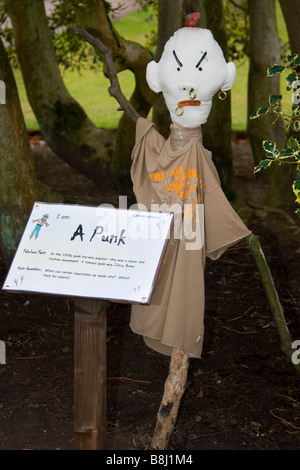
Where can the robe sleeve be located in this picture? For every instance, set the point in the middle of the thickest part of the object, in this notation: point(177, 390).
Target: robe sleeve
point(223, 226)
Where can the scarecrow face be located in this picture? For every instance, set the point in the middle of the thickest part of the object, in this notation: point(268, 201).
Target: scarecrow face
point(191, 70)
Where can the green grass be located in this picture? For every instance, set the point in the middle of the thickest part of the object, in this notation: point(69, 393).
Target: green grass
point(89, 88)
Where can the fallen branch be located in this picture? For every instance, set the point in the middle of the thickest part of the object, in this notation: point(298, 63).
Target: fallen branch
point(126, 379)
point(240, 332)
point(284, 420)
point(272, 296)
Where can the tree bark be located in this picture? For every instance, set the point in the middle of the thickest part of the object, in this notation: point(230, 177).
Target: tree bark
point(291, 13)
point(169, 21)
point(63, 123)
point(93, 17)
point(173, 391)
point(264, 52)
point(217, 130)
point(18, 186)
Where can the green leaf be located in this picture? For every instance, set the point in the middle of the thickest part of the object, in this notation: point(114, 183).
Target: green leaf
point(296, 189)
point(263, 165)
point(259, 112)
point(296, 126)
point(293, 60)
point(296, 110)
point(270, 149)
point(290, 79)
point(275, 69)
point(290, 58)
point(273, 99)
point(287, 153)
point(293, 143)
point(298, 212)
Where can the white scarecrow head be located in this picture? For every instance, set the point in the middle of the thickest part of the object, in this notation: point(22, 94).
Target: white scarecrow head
point(191, 71)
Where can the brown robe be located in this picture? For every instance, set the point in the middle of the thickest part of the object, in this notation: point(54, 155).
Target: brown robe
point(172, 173)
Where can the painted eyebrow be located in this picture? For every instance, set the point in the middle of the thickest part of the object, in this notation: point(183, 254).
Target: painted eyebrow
point(177, 60)
point(202, 58)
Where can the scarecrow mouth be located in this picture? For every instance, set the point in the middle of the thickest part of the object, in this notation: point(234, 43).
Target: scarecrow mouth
point(181, 104)
point(179, 110)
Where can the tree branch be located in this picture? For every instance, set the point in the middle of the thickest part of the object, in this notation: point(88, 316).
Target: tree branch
point(115, 89)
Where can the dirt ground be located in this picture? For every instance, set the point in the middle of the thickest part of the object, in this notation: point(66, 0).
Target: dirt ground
point(241, 395)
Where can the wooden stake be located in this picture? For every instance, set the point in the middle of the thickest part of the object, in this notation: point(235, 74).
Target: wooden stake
point(173, 391)
point(90, 374)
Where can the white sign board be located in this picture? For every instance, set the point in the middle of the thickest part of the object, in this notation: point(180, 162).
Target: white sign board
point(95, 252)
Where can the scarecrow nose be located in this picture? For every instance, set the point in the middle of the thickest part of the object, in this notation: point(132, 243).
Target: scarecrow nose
point(188, 86)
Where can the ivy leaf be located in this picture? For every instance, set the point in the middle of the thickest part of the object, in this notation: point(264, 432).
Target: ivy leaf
point(296, 126)
point(293, 60)
point(298, 212)
point(296, 110)
point(259, 112)
point(296, 189)
point(290, 79)
point(270, 149)
point(287, 153)
point(275, 69)
point(293, 143)
point(273, 99)
point(263, 165)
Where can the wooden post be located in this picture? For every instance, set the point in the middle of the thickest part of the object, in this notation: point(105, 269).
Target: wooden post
point(173, 391)
point(90, 374)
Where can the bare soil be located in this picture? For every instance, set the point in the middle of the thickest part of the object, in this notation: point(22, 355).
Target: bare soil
point(242, 394)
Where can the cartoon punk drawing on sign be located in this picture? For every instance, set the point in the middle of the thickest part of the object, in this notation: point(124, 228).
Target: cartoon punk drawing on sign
point(178, 174)
point(39, 224)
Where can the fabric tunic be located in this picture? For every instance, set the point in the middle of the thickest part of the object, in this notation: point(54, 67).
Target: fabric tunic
point(165, 178)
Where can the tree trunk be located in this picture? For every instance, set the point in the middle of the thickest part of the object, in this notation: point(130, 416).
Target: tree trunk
point(63, 123)
point(127, 55)
point(18, 186)
point(291, 13)
point(217, 130)
point(169, 21)
point(264, 52)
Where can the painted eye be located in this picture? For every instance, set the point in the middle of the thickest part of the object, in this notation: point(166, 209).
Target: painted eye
point(178, 61)
point(200, 62)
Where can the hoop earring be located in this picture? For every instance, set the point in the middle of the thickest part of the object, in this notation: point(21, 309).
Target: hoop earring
point(179, 111)
point(222, 95)
point(192, 94)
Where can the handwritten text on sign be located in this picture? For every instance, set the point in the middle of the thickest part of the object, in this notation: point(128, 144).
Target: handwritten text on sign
point(96, 252)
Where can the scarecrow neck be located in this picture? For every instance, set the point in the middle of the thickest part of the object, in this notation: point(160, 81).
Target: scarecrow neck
point(180, 136)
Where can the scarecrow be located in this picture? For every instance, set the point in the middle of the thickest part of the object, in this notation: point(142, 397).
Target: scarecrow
point(177, 174)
